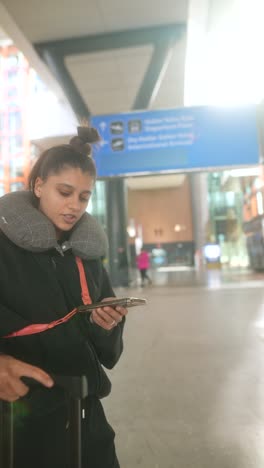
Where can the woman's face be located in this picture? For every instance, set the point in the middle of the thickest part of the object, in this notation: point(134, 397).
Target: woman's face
point(64, 197)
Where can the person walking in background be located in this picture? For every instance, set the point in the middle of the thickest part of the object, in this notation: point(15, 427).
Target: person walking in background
point(143, 264)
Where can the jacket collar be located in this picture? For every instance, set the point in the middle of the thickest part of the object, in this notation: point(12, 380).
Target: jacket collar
point(31, 230)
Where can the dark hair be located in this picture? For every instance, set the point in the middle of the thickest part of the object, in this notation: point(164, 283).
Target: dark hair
point(75, 154)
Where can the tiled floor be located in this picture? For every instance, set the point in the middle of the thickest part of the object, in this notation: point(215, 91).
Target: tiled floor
point(189, 277)
point(188, 391)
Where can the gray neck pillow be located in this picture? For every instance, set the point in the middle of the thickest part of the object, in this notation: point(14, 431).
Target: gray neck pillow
point(31, 230)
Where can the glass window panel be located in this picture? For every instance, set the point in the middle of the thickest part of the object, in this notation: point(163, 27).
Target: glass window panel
point(16, 167)
point(17, 186)
point(2, 121)
point(12, 77)
point(12, 60)
point(15, 144)
point(14, 121)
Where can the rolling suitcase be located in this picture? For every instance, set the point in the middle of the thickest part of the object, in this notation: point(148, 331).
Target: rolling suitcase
point(77, 389)
point(6, 435)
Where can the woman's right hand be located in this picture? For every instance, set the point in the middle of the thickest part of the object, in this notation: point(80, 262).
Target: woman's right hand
point(11, 370)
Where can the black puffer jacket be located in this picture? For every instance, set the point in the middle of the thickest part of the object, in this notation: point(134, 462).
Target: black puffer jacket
point(39, 287)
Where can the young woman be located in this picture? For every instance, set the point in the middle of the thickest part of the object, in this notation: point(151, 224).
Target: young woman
point(50, 263)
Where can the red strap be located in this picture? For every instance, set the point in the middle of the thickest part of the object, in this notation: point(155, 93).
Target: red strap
point(41, 327)
point(84, 286)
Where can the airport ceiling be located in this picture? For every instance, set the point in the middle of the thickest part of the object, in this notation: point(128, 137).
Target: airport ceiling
point(143, 67)
point(108, 56)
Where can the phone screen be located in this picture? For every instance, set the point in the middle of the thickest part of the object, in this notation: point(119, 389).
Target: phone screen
point(123, 302)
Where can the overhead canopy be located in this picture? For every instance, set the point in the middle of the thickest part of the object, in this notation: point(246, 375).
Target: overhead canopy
point(146, 68)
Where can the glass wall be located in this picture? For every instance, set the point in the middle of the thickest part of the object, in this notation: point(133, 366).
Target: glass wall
point(225, 226)
point(97, 205)
point(253, 217)
point(14, 140)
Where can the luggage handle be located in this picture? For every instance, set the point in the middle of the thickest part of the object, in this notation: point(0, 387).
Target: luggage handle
point(76, 386)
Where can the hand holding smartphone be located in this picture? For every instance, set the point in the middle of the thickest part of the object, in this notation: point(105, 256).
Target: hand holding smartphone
point(121, 301)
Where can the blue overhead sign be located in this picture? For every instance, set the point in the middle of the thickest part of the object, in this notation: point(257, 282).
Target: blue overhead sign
point(188, 138)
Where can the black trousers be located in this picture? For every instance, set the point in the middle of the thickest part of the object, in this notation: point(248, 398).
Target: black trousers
point(144, 275)
point(43, 441)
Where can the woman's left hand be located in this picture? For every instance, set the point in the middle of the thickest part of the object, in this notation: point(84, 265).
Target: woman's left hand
point(108, 317)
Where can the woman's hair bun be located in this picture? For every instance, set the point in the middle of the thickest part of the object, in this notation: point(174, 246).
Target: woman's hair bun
point(82, 142)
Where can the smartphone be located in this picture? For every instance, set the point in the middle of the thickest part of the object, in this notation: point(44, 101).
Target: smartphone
point(121, 301)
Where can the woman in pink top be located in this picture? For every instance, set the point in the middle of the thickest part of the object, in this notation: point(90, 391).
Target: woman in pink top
point(143, 264)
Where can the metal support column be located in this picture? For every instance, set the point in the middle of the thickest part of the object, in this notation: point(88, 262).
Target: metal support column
point(119, 258)
point(199, 194)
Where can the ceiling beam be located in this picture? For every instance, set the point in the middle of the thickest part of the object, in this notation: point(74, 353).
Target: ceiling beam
point(56, 64)
point(163, 39)
point(155, 72)
point(113, 40)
